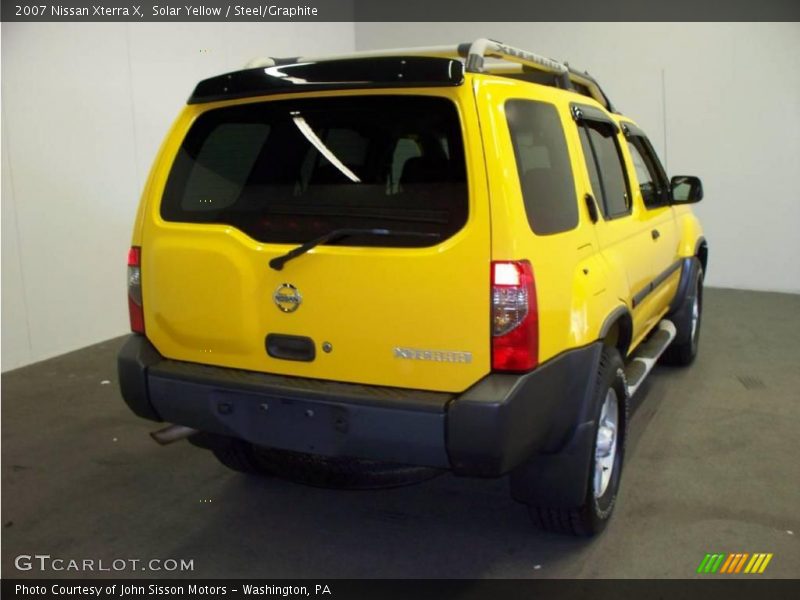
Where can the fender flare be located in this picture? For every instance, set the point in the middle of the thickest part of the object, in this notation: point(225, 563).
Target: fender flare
point(620, 312)
point(688, 267)
point(701, 252)
point(701, 241)
point(559, 476)
point(679, 308)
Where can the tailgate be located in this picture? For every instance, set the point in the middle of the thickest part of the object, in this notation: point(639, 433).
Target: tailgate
point(250, 181)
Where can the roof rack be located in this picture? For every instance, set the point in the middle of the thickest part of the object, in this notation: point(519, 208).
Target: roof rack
point(474, 55)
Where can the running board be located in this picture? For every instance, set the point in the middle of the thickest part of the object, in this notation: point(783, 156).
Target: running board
point(644, 358)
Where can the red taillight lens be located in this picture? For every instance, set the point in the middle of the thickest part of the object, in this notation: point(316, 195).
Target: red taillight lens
point(515, 318)
point(135, 310)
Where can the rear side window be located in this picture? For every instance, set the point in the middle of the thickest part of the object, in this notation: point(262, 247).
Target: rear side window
point(604, 162)
point(291, 171)
point(543, 166)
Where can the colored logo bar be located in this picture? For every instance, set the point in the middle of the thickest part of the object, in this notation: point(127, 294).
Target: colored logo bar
point(737, 562)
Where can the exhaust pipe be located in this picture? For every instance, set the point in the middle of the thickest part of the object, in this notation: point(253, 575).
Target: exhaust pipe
point(172, 433)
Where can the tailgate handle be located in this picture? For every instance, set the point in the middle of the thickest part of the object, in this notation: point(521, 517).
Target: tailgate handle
point(290, 347)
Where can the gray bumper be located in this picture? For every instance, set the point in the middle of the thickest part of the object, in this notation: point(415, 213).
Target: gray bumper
point(486, 431)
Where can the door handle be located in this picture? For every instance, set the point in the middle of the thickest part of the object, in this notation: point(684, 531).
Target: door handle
point(591, 207)
point(655, 234)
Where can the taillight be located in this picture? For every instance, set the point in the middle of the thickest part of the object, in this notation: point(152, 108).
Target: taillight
point(515, 319)
point(135, 289)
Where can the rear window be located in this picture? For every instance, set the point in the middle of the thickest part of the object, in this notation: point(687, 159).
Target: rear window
point(290, 171)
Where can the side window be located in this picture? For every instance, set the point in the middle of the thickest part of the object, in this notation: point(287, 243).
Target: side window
point(652, 180)
point(606, 170)
point(591, 166)
point(543, 166)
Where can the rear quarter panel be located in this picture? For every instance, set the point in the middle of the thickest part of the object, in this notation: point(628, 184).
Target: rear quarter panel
point(575, 287)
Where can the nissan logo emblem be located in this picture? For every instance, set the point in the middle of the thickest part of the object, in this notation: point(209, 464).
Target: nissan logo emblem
point(287, 297)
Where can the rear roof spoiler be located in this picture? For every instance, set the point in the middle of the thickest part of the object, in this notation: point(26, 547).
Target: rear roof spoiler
point(394, 68)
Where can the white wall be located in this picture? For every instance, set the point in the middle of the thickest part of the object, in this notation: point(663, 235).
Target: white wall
point(732, 117)
point(84, 109)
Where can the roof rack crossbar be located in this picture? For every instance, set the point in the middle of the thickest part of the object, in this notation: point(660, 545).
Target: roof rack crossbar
point(481, 48)
point(474, 55)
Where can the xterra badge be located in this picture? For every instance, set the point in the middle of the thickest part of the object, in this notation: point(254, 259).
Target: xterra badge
point(433, 355)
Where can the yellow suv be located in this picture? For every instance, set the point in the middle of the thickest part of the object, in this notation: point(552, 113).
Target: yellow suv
point(456, 258)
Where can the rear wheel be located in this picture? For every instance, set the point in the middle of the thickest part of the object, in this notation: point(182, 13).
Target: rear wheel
point(608, 448)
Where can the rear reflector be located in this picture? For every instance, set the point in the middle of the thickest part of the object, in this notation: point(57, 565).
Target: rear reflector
point(515, 319)
point(135, 310)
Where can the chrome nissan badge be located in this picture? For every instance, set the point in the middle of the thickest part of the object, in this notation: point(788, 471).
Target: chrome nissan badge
point(287, 297)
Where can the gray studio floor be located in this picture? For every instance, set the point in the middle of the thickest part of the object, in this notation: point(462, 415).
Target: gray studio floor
point(713, 466)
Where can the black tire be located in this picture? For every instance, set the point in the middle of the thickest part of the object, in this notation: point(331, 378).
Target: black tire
point(591, 517)
point(339, 472)
point(235, 454)
point(683, 349)
point(310, 469)
point(238, 456)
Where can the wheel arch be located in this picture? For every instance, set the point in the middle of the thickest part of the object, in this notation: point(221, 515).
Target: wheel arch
point(701, 252)
point(617, 330)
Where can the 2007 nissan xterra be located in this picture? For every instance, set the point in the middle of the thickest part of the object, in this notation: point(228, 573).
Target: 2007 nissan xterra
point(454, 257)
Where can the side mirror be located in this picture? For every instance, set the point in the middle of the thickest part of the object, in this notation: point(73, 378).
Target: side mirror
point(685, 189)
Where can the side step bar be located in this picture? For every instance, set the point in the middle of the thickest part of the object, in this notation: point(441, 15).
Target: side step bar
point(644, 358)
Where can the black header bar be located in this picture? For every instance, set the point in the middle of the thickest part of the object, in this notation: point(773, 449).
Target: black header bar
point(390, 10)
point(707, 588)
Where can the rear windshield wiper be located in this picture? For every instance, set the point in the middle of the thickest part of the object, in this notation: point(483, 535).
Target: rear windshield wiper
point(278, 262)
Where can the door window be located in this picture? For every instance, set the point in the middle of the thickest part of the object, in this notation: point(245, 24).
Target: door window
point(606, 170)
point(652, 181)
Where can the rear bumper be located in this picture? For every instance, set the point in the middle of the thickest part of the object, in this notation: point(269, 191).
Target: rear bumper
point(487, 430)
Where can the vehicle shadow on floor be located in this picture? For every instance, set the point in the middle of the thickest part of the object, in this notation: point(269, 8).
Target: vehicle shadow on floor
point(445, 527)
point(91, 495)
